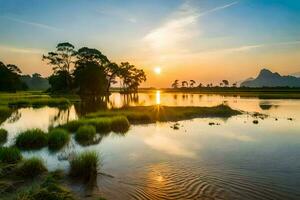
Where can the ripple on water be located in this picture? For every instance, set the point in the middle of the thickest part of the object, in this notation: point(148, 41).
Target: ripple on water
point(178, 181)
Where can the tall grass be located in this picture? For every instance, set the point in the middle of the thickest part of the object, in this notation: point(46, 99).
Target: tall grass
point(32, 139)
point(85, 134)
point(31, 168)
point(85, 166)
point(57, 139)
point(10, 155)
point(3, 135)
point(5, 112)
point(102, 124)
point(150, 114)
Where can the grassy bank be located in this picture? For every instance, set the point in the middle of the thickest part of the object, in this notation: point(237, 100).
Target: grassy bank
point(150, 114)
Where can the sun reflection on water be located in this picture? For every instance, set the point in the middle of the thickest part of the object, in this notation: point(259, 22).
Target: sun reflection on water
point(157, 97)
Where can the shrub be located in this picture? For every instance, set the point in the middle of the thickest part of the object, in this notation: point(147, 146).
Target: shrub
point(31, 168)
point(3, 136)
point(120, 124)
point(85, 134)
point(57, 138)
point(32, 139)
point(85, 166)
point(10, 155)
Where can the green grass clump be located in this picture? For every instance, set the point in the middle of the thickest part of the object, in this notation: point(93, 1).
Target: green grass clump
point(50, 189)
point(102, 125)
point(57, 139)
point(85, 166)
point(10, 155)
point(31, 168)
point(5, 112)
point(120, 124)
point(3, 135)
point(32, 139)
point(150, 114)
point(85, 134)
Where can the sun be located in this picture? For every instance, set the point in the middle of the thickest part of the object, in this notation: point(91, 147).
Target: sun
point(157, 70)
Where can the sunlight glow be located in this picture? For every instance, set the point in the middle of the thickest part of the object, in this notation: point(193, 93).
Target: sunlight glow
point(157, 70)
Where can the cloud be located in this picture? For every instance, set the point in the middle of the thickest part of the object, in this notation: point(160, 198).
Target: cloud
point(178, 32)
point(21, 50)
point(30, 23)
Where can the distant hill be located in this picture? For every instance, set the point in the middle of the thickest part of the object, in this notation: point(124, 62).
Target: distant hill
point(296, 75)
point(266, 78)
point(35, 82)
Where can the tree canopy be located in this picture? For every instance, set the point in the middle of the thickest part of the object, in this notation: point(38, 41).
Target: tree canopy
point(10, 78)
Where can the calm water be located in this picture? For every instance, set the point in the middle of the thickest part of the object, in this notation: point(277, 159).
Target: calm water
point(235, 160)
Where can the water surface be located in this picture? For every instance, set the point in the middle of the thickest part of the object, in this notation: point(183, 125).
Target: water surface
point(234, 160)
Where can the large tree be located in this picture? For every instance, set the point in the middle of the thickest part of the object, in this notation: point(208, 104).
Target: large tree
point(62, 61)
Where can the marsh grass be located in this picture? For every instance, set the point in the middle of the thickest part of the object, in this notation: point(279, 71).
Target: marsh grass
point(32, 139)
point(150, 114)
point(85, 166)
point(57, 139)
point(5, 112)
point(102, 124)
point(120, 124)
point(85, 134)
point(50, 189)
point(31, 168)
point(3, 135)
point(10, 155)
point(40, 102)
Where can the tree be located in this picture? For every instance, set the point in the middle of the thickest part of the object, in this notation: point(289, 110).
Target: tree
point(62, 61)
point(10, 78)
point(192, 83)
point(175, 84)
point(90, 79)
point(184, 84)
point(131, 77)
point(225, 82)
point(200, 85)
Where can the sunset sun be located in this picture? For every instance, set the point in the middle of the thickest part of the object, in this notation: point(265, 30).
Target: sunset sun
point(157, 70)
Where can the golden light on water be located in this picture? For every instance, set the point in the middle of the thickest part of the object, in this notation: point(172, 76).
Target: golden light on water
point(157, 97)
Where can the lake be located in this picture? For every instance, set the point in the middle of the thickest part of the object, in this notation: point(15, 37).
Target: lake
point(232, 159)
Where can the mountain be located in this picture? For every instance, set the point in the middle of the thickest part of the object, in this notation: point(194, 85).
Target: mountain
point(296, 75)
point(35, 82)
point(266, 78)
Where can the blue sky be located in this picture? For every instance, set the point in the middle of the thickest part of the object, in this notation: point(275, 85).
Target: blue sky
point(193, 36)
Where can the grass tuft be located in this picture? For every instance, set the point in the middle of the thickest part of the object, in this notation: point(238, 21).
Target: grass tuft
point(39, 102)
point(120, 124)
point(85, 166)
point(31, 168)
point(10, 155)
point(57, 139)
point(32, 139)
point(3, 136)
point(85, 134)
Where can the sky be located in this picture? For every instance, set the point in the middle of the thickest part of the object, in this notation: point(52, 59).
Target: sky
point(203, 40)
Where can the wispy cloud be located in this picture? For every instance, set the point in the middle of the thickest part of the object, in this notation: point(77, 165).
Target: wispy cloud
point(21, 50)
point(177, 32)
point(30, 23)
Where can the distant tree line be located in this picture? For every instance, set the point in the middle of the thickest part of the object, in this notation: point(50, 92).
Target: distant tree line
point(193, 84)
point(10, 78)
point(87, 71)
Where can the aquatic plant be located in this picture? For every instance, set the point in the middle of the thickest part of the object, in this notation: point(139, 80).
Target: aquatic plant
point(150, 114)
point(10, 155)
point(58, 138)
point(32, 139)
point(120, 124)
point(50, 189)
point(85, 134)
point(85, 166)
point(31, 168)
point(3, 136)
